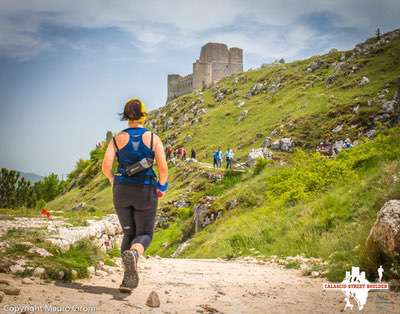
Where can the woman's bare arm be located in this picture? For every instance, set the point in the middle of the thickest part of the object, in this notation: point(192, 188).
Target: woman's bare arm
point(108, 161)
point(160, 160)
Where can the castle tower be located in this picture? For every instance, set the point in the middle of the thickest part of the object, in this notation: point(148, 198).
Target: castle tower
point(216, 61)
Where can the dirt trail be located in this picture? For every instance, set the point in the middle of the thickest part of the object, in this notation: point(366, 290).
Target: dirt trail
point(199, 286)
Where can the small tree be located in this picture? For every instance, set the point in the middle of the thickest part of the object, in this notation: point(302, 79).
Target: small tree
point(15, 191)
point(378, 34)
point(48, 188)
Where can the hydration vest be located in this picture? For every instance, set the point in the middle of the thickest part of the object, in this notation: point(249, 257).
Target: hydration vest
point(134, 151)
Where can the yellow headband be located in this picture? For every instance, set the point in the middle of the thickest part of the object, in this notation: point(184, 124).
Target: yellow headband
point(142, 109)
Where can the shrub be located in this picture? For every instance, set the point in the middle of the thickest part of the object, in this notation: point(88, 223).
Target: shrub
point(260, 165)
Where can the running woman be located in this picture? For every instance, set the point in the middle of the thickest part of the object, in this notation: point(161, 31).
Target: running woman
point(135, 196)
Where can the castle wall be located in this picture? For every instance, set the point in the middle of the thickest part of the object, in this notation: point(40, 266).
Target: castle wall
point(216, 62)
point(178, 85)
point(201, 74)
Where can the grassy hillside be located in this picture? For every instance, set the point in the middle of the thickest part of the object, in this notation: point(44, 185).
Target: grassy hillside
point(298, 203)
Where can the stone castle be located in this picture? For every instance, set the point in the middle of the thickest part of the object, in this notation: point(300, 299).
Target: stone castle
point(216, 61)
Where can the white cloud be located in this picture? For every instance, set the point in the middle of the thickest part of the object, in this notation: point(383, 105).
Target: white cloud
point(182, 23)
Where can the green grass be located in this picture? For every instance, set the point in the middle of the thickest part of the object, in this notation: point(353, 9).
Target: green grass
point(79, 257)
point(315, 206)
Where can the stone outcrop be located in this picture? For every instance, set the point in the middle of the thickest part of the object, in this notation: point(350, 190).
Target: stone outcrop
point(28, 222)
point(385, 233)
point(104, 233)
point(258, 153)
point(285, 144)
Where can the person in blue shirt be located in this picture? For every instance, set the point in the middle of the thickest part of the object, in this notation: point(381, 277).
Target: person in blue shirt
point(229, 158)
point(217, 158)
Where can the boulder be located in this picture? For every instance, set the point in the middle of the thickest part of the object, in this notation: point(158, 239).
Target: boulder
point(330, 80)
point(8, 288)
point(315, 65)
point(100, 273)
point(153, 300)
point(232, 204)
point(315, 274)
point(91, 270)
point(27, 281)
point(40, 251)
point(14, 269)
point(256, 89)
point(276, 145)
point(181, 203)
point(388, 106)
point(181, 247)
point(385, 233)
point(188, 138)
point(371, 133)
point(339, 67)
point(382, 117)
point(79, 206)
point(240, 104)
point(201, 112)
point(169, 123)
point(74, 274)
point(338, 146)
point(273, 87)
point(286, 144)
point(267, 142)
point(219, 96)
point(39, 272)
point(337, 129)
point(258, 153)
point(60, 275)
point(364, 81)
point(243, 115)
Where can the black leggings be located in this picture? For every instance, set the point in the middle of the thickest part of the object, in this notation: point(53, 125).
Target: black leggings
point(136, 206)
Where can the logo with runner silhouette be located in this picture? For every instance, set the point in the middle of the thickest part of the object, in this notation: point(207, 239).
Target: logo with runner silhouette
point(356, 286)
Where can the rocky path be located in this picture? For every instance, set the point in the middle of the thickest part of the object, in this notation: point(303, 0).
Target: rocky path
point(195, 286)
point(210, 166)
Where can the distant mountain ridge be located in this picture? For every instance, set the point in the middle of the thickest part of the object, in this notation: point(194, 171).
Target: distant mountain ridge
point(32, 177)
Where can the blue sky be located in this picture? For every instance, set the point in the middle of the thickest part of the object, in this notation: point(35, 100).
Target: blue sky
point(67, 66)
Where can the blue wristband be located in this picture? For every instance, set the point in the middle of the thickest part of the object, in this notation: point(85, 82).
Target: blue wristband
point(162, 187)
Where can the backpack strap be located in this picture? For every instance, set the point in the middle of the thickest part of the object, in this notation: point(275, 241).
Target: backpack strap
point(151, 141)
point(116, 148)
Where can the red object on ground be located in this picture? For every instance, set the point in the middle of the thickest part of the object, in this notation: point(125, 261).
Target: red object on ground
point(43, 212)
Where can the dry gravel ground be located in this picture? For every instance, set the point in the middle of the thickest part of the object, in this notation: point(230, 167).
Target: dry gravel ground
point(198, 286)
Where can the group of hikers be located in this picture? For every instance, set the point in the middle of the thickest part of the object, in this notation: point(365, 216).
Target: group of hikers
point(178, 153)
point(218, 155)
point(329, 149)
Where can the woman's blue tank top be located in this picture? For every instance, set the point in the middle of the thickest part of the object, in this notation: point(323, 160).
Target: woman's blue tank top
point(134, 151)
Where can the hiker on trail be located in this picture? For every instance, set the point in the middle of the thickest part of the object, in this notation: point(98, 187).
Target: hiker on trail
point(135, 185)
point(347, 143)
point(183, 153)
point(326, 148)
point(193, 154)
point(168, 151)
point(217, 158)
point(229, 158)
point(176, 152)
